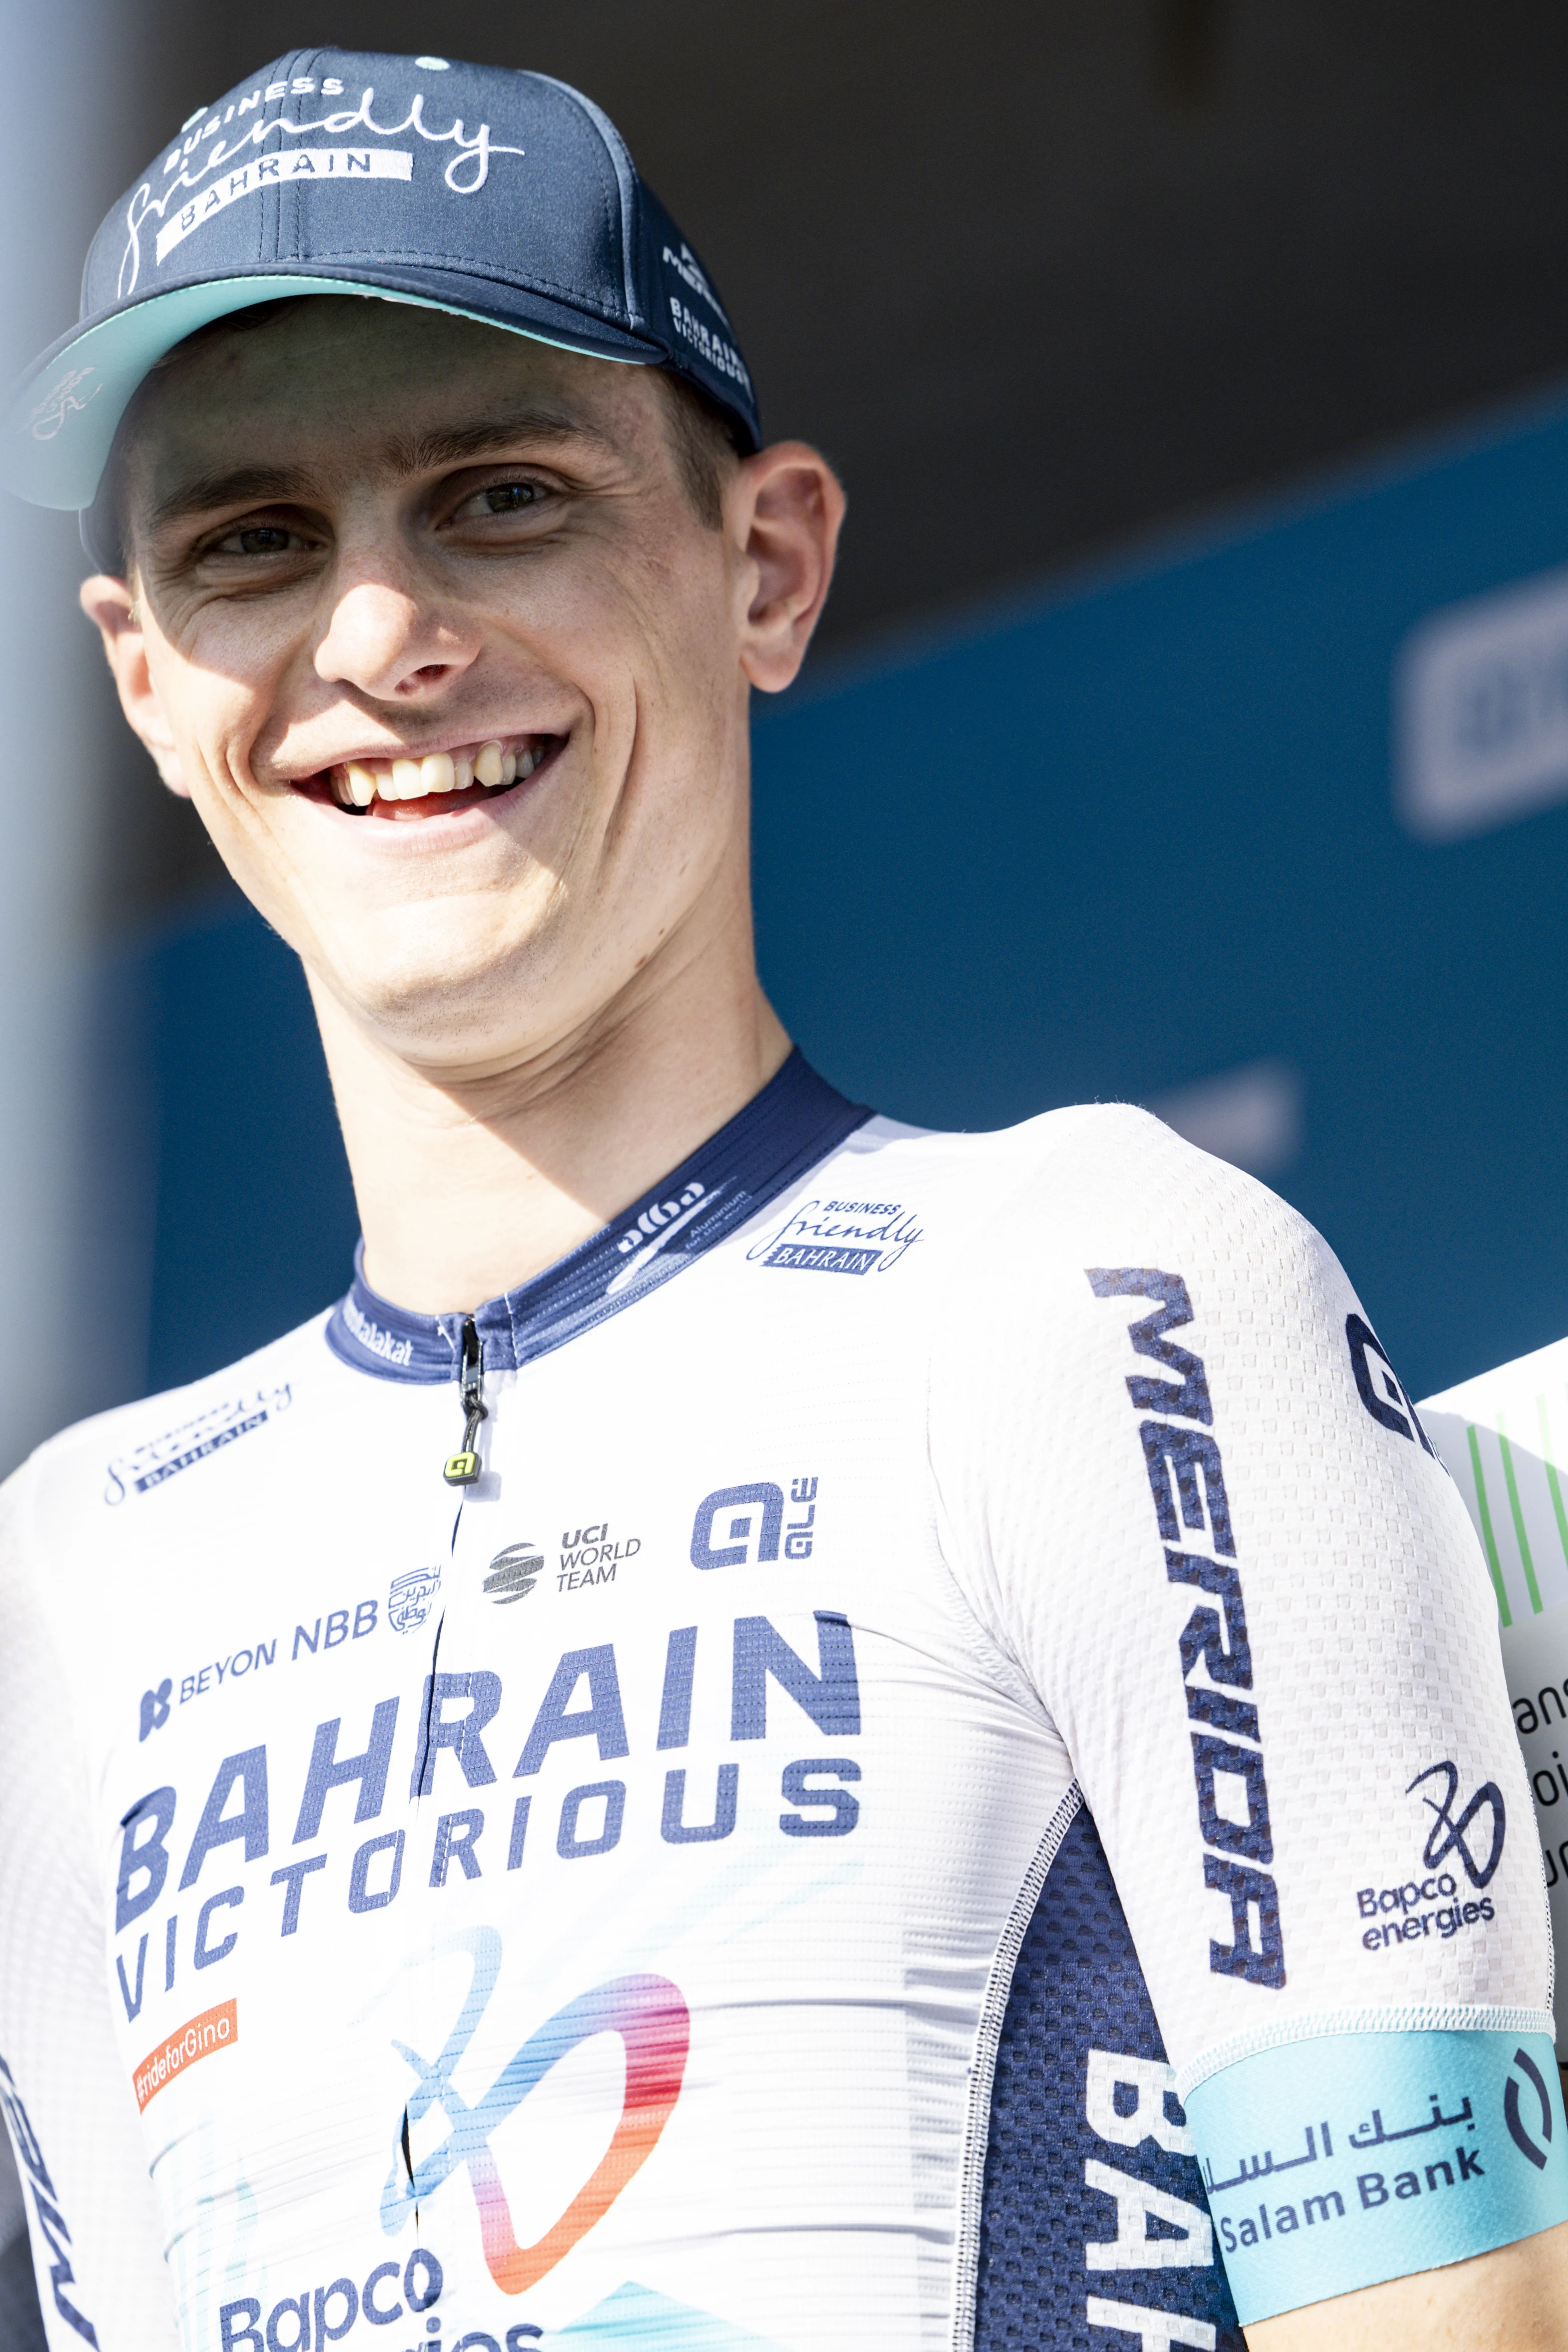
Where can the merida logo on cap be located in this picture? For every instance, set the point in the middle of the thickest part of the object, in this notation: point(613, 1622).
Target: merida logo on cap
point(687, 268)
point(466, 173)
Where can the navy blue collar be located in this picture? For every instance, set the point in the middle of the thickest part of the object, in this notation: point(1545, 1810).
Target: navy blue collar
point(796, 1121)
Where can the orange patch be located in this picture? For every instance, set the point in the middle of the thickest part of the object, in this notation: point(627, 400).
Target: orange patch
point(214, 2029)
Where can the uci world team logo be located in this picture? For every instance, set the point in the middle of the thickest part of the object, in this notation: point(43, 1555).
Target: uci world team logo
point(650, 2015)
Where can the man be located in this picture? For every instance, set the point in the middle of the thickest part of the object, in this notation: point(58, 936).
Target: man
point(702, 1762)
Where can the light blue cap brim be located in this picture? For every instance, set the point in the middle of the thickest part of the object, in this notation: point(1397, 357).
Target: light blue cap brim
point(56, 443)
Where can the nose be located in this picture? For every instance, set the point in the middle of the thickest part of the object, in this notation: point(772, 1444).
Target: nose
point(391, 644)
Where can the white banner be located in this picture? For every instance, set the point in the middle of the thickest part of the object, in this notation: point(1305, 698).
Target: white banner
point(1482, 711)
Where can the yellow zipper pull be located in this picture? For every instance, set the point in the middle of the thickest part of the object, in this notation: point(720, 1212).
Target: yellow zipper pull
point(462, 1469)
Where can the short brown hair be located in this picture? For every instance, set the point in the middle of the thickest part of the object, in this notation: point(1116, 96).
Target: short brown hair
point(704, 445)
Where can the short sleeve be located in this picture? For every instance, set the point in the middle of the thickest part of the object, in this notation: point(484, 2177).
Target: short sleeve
point(1183, 1488)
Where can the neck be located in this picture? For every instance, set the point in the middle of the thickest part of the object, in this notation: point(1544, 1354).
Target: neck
point(468, 1187)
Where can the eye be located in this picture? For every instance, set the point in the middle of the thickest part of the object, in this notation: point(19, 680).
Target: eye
point(500, 499)
point(510, 497)
point(259, 539)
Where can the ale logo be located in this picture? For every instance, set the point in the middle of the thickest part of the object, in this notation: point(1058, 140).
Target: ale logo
point(649, 2014)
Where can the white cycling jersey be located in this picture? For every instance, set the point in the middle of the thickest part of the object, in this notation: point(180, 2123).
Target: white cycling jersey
point(939, 1659)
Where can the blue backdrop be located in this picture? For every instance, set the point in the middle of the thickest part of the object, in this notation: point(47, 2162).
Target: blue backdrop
point(1129, 833)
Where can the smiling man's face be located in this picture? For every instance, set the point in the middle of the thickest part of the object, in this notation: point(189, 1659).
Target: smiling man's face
point(365, 535)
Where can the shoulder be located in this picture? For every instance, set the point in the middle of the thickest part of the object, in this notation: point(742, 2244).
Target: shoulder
point(1090, 1234)
point(132, 1449)
point(1099, 1183)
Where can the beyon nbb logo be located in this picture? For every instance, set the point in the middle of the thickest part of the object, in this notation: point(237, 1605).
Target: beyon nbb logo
point(650, 2015)
point(410, 1596)
point(155, 1707)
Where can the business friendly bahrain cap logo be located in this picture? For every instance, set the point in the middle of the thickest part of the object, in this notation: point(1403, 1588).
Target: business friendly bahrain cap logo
point(649, 2014)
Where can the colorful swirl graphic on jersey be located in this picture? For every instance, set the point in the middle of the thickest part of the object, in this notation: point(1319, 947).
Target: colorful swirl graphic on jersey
point(649, 2014)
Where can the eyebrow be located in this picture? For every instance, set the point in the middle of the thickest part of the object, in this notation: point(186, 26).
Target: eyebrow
point(405, 453)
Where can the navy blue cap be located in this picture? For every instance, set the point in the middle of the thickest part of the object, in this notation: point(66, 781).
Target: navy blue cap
point(497, 195)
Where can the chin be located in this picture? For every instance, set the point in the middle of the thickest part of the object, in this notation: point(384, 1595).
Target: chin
point(434, 1006)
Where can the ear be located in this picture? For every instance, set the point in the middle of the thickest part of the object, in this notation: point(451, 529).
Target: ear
point(785, 507)
point(112, 606)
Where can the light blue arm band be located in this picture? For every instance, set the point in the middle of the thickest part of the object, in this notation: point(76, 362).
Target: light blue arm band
point(1336, 2162)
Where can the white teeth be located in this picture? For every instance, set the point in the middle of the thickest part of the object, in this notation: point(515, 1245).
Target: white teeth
point(356, 783)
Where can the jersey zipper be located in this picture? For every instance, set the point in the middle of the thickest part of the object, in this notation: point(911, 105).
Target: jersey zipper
point(462, 1469)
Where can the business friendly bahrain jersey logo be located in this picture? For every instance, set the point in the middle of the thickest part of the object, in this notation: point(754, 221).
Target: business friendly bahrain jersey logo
point(652, 2020)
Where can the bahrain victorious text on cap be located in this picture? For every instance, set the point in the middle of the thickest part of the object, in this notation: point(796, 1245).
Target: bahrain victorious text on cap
point(497, 195)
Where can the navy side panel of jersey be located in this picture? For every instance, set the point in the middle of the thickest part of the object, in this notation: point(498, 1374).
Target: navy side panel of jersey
point(1077, 1987)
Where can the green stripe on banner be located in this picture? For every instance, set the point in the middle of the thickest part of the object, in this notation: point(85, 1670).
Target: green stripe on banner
point(1552, 1479)
point(1337, 2161)
point(1505, 1449)
point(1486, 1536)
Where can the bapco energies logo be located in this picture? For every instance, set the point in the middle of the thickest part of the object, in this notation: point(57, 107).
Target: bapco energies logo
point(1448, 1835)
point(649, 2014)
